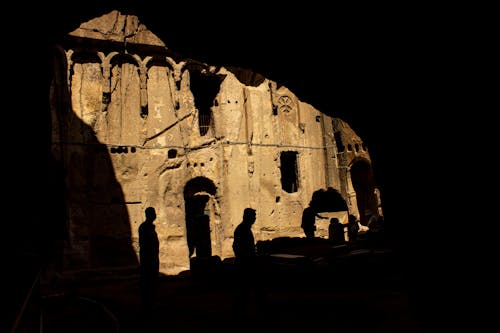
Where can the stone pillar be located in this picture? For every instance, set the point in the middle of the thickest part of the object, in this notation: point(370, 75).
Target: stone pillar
point(69, 56)
point(330, 153)
point(143, 81)
point(106, 77)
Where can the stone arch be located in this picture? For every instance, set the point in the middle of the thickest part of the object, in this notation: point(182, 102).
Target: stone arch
point(84, 56)
point(81, 56)
point(121, 58)
point(193, 65)
point(330, 203)
point(200, 199)
point(361, 176)
point(160, 61)
point(160, 84)
point(328, 200)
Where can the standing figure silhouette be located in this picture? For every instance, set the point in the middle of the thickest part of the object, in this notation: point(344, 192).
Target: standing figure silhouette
point(249, 298)
point(244, 242)
point(309, 216)
point(352, 228)
point(336, 231)
point(149, 260)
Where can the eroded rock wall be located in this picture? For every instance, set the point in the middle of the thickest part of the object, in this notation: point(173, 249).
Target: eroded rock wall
point(130, 131)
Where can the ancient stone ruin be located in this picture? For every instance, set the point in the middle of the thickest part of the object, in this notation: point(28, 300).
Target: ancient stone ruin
point(136, 125)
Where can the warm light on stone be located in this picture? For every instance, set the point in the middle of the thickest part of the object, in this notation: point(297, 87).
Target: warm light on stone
point(135, 126)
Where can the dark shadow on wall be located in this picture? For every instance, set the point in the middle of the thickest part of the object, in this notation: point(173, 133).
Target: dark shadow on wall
point(89, 228)
point(363, 184)
point(328, 200)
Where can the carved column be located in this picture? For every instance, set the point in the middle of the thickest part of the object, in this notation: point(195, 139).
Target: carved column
point(248, 122)
point(177, 69)
point(143, 83)
point(106, 77)
point(69, 56)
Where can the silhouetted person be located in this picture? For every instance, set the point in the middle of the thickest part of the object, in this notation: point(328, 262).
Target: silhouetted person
point(376, 229)
point(148, 255)
point(336, 231)
point(372, 223)
point(352, 228)
point(309, 221)
point(248, 294)
point(191, 234)
point(244, 242)
point(202, 244)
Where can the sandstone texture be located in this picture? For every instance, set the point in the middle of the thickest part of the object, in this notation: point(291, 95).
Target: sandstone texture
point(134, 125)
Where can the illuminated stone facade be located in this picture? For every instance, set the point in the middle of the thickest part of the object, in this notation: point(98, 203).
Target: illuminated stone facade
point(135, 125)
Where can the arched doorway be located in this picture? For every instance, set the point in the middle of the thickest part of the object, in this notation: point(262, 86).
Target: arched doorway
point(330, 203)
point(363, 184)
point(202, 218)
point(329, 200)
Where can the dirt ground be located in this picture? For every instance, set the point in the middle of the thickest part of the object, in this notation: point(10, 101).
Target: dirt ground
point(342, 290)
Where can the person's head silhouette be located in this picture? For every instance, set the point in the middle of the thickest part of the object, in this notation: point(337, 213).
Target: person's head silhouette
point(249, 215)
point(334, 221)
point(150, 214)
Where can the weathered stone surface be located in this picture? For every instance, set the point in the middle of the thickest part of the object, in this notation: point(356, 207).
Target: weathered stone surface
point(119, 28)
point(138, 127)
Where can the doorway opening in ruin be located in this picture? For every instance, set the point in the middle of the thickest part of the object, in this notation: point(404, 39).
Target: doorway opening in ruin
point(202, 218)
point(364, 186)
point(329, 203)
point(329, 200)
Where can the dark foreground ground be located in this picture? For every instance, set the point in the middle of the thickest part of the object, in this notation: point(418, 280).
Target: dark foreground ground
point(312, 287)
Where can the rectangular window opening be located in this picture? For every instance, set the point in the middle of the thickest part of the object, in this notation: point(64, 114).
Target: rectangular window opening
point(289, 171)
